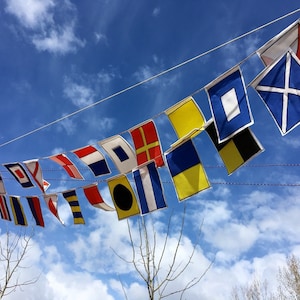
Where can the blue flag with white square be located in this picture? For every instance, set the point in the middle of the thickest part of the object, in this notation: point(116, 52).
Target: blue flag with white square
point(279, 88)
point(229, 104)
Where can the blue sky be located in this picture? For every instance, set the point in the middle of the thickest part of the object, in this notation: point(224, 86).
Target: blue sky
point(57, 57)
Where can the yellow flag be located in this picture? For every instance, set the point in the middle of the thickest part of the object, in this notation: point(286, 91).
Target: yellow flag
point(123, 197)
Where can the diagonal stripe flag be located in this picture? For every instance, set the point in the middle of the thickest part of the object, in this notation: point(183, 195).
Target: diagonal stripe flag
point(289, 38)
point(94, 197)
point(94, 159)
point(2, 187)
point(123, 197)
point(35, 170)
point(149, 187)
point(20, 174)
point(52, 203)
point(5, 215)
point(120, 152)
point(35, 207)
point(17, 210)
point(72, 199)
point(188, 174)
point(147, 144)
point(67, 164)
point(186, 118)
point(279, 88)
point(229, 104)
point(236, 151)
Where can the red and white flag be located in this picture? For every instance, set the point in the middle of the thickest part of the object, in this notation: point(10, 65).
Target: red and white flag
point(52, 202)
point(35, 170)
point(5, 215)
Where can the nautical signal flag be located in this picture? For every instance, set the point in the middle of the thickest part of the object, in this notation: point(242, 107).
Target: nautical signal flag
point(20, 174)
point(287, 39)
point(147, 144)
point(52, 203)
point(35, 170)
point(149, 187)
point(94, 197)
point(72, 199)
point(123, 196)
point(120, 152)
point(279, 88)
point(188, 174)
point(4, 212)
point(94, 159)
point(67, 164)
point(236, 151)
point(35, 207)
point(186, 118)
point(17, 210)
point(2, 187)
point(229, 104)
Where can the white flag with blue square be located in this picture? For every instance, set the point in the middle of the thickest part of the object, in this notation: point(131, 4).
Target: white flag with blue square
point(279, 88)
point(229, 104)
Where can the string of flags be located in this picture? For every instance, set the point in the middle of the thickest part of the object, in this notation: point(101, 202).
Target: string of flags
point(278, 85)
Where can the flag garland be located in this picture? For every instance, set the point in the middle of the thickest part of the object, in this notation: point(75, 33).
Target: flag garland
point(35, 207)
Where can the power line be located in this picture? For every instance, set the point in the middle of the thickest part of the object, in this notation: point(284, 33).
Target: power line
point(149, 79)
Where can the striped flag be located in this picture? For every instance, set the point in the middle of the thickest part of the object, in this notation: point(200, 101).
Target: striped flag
point(147, 144)
point(5, 215)
point(2, 187)
point(123, 197)
point(20, 174)
point(94, 159)
point(149, 187)
point(35, 207)
point(120, 152)
point(17, 210)
point(67, 164)
point(52, 202)
point(188, 174)
point(72, 199)
point(94, 197)
point(35, 170)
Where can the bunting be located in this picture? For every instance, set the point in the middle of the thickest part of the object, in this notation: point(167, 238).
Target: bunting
point(5, 215)
point(279, 88)
point(2, 187)
point(236, 151)
point(67, 164)
point(188, 174)
point(17, 210)
point(186, 118)
point(19, 174)
point(120, 152)
point(72, 199)
point(35, 207)
point(94, 159)
point(279, 45)
point(123, 197)
point(229, 104)
point(94, 197)
point(146, 142)
point(52, 202)
point(149, 187)
point(35, 170)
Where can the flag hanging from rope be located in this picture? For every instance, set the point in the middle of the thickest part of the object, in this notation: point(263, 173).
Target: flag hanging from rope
point(35, 207)
point(72, 199)
point(147, 144)
point(186, 169)
point(120, 152)
point(94, 197)
point(149, 187)
point(52, 203)
point(35, 170)
point(287, 39)
point(94, 159)
point(67, 164)
point(2, 187)
point(17, 210)
point(5, 215)
point(19, 174)
point(279, 88)
point(229, 104)
point(236, 151)
point(186, 118)
point(123, 197)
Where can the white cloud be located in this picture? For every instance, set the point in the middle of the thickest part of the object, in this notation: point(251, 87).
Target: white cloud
point(156, 11)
